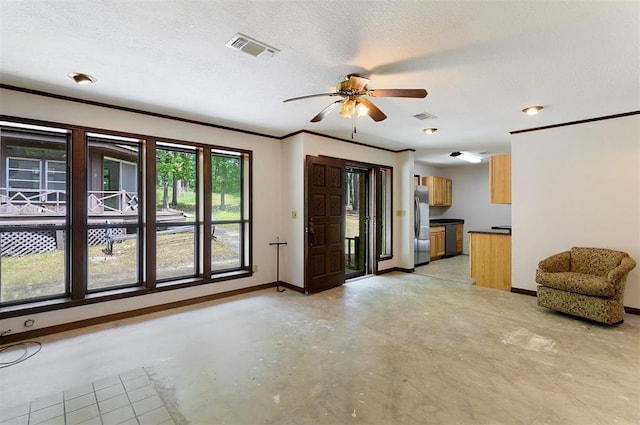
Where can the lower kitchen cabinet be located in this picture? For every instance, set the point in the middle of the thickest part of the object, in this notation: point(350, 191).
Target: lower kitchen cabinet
point(436, 235)
point(490, 259)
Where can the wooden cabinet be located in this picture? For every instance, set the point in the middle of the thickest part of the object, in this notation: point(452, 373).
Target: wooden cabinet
point(440, 190)
point(436, 234)
point(459, 238)
point(500, 179)
point(490, 260)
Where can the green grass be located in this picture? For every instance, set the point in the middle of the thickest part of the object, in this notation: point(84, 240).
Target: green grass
point(352, 226)
point(187, 202)
point(23, 270)
point(49, 266)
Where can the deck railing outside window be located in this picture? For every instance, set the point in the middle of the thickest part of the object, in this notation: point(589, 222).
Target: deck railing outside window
point(33, 202)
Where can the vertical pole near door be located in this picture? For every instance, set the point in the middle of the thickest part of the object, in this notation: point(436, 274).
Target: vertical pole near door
point(277, 244)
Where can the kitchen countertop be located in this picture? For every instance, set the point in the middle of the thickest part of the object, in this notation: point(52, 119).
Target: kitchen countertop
point(445, 221)
point(493, 231)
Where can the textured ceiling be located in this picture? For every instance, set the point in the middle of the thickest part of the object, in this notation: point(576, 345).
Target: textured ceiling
point(480, 61)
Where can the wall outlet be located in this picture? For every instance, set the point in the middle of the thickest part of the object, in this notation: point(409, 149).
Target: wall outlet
point(255, 268)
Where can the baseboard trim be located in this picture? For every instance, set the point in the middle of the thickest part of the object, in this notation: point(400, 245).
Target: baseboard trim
point(524, 292)
point(292, 287)
point(10, 338)
point(628, 310)
point(395, 269)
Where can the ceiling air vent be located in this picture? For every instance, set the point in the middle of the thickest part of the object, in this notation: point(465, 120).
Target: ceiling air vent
point(251, 46)
point(424, 116)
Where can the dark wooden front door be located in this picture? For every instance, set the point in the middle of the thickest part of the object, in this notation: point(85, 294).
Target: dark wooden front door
point(324, 215)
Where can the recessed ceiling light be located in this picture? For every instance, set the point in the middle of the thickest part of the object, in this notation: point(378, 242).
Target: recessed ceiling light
point(467, 156)
point(81, 78)
point(532, 110)
point(430, 130)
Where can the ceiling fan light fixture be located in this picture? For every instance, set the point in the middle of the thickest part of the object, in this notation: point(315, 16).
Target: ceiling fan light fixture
point(430, 130)
point(347, 108)
point(532, 110)
point(81, 78)
point(467, 156)
point(361, 109)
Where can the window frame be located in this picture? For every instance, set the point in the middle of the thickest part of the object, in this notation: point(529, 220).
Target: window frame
point(196, 223)
point(62, 132)
point(242, 221)
point(117, 139)
point(384, 187)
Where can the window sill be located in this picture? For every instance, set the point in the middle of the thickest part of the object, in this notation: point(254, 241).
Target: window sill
point(116, 294)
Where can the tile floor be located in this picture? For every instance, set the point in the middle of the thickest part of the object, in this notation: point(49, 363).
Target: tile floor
point(129, 398)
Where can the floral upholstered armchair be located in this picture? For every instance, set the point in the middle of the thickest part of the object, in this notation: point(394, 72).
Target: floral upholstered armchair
point(585, 282)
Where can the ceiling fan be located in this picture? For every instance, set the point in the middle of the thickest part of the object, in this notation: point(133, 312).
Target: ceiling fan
point(352, 90)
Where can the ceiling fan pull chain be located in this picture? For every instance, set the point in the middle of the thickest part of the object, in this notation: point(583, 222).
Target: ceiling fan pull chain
point(354, 130)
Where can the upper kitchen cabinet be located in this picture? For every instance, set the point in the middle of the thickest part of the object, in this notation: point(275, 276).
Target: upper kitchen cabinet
point(500, 179)
point(440, 190)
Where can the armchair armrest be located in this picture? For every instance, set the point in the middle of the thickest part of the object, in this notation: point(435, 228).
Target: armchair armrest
point(626, 265)
point(560, 262)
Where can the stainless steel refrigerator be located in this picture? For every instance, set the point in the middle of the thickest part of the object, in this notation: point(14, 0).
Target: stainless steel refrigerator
point(421, 241)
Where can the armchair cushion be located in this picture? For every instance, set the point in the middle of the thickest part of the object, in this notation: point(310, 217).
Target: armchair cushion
point(596, 261)
point(579, 283)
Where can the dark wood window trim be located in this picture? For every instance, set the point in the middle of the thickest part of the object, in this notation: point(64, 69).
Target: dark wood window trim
point(191, 121)
point(379, 214)
point(78, 215)
point(564, 124)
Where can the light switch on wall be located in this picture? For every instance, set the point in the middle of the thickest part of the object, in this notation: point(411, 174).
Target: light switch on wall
point(294, 214)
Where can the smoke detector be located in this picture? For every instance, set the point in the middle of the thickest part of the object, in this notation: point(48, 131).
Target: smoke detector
point(251, 46)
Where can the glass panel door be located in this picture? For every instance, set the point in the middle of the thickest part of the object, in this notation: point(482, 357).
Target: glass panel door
point(356, 220)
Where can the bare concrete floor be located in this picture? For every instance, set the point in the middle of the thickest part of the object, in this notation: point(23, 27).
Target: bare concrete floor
point(393, 349)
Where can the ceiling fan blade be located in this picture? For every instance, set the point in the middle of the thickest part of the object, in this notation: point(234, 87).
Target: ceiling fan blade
point(326, 111)
point(373, 111)
point(309, 96)
point(397, 93)
point(357, 82)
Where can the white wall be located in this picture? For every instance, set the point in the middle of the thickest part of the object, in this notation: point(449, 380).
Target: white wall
point(576, 185)
point(292, 188)
point(470, 202)
point(267, 201)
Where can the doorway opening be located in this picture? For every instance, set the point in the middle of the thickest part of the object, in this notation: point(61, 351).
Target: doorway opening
point(356, 222)
point(344, 239)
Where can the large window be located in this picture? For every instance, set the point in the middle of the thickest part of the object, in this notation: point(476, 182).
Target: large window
point(139, 215)
point(114, 214)
point(34, 223)
point(177, 207)
point(228, 213)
